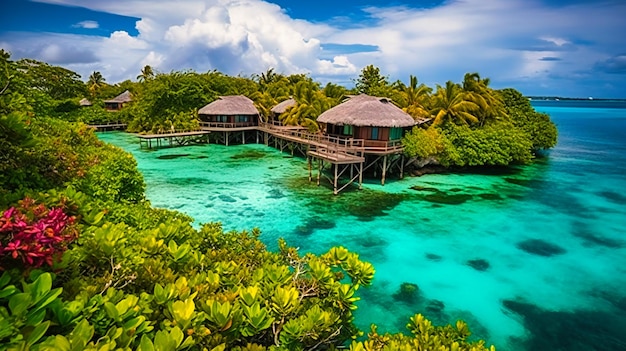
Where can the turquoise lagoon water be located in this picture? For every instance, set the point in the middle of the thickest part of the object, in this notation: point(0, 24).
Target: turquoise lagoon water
point(532, 257)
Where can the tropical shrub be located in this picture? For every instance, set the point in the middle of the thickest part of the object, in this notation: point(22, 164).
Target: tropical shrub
point(34, 234)
point(538, 127)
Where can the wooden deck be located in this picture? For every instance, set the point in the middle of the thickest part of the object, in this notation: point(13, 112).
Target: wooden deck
point(108, 126)
point(344, 154)
point(173, 138)
point(227, 127)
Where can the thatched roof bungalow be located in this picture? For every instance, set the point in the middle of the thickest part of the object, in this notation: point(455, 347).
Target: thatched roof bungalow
point(230, 111)
point(282, 107)
point(366, 117)
point(118, 102)
point(84, 102)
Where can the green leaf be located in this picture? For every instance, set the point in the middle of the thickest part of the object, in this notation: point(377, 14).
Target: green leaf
point(40, 286)
point(7, 291)
point(133, 323)
point(49, 298)
point(19, 303)
point(111, 311)
point(5, 278)
point(81, 335)
point(145, 344)
point(37, 333)
point(35, 317)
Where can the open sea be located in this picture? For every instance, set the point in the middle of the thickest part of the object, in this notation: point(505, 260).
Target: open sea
point(532, 258)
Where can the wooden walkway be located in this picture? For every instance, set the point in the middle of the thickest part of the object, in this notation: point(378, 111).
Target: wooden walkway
point(107, 126)
point(344, 155)
point(173, 138)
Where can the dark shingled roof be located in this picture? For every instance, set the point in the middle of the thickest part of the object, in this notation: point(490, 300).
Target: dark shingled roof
point(367, 111)
point(122, 98)
point(283, 106)
point(230, 105)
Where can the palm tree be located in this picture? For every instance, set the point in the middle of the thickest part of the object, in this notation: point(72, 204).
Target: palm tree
point(311, 102)
point(414, 99)
point(491, 105)
point(450, 104)
point(95, 82)
point(335, 92)
point(147, 73)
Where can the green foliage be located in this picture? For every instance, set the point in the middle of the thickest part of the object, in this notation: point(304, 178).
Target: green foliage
point(538, 126)
point(424, 336)
point(56, 82)
point(497, 145)
point(423, 143)
point(371, 82)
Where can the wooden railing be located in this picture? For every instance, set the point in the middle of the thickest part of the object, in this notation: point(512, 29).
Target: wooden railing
point(227, 125)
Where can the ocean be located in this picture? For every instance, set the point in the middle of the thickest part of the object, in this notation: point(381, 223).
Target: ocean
point(531, 257)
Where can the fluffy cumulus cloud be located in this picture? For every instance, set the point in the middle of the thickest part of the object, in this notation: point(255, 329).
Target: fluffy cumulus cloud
point(521, 43)
point(233, 36)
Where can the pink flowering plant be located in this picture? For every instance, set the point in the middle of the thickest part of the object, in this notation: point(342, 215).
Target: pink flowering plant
point(34, 234)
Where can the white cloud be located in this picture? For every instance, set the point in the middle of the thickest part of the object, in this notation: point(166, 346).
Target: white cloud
point(87, 24)
point(504, 40)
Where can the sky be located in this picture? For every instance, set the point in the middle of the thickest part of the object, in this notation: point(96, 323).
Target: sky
point(573, 48)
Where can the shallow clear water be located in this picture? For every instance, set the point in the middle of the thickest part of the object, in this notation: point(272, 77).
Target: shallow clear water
point(533, 258)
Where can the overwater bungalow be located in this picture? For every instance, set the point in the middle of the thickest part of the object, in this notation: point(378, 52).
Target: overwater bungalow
point(377, 120)
point(233, 111)
point(118, 102)
point(229, 118)
point(281, 108)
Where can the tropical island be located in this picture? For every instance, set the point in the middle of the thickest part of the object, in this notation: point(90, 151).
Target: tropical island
point(89, 264)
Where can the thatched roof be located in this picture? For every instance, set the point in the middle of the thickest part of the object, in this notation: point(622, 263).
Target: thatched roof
point(122, 98)
point(283, 106)
point(230, 105)
point(84, 102)
point(367, 111)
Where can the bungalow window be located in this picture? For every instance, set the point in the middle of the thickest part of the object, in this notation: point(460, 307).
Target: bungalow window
point(374, 133)
point(242, 119)
point(347, 130)
point(396, 133)
point(221, 119)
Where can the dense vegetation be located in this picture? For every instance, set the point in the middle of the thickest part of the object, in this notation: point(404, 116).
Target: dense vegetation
point(87, 263)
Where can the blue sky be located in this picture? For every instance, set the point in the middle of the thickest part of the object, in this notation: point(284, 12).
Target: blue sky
point(570, 48)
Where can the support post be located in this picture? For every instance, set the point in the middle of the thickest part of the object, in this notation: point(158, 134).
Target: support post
point(243, 137)
point(320, 164)
point(226, 137)
point(309, 161)
point(384, 169)
point(361, 177)
point(402, 166)
point(335, 181)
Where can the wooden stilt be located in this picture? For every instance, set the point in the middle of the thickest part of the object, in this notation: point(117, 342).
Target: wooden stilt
point(335, 181)
point(401, 166)
point(320, 164)
point(384, 170)
point(226, 137)
point(309, 161)
point(243, 137)
point(361, 177)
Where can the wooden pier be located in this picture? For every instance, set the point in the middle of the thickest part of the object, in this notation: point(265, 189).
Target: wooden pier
point(108, 126)
point(173, 139)
point(348, 158)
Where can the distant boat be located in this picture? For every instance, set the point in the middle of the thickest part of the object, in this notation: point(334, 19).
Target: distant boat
point(590, 98)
